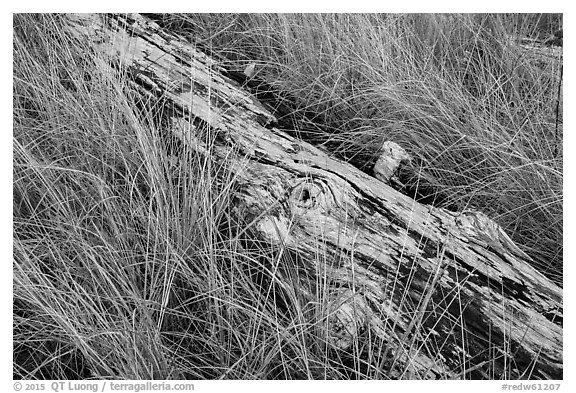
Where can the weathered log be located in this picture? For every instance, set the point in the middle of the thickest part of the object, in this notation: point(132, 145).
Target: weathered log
point(412, 274)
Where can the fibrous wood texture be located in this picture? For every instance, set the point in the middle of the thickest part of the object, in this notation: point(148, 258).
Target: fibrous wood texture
point(449, 293)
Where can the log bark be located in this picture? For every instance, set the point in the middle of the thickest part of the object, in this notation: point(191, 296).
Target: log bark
point(449, 293)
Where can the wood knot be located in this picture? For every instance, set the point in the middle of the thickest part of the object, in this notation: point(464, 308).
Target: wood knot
point(308, 195)
point(348, 316)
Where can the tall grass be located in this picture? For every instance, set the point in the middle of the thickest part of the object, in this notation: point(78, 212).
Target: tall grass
point(477, 110)
point(126, 261)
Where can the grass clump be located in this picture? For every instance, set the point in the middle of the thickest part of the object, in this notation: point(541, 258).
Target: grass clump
point(127, 264)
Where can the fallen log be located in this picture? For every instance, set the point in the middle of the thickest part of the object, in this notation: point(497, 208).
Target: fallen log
point(448, 292)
